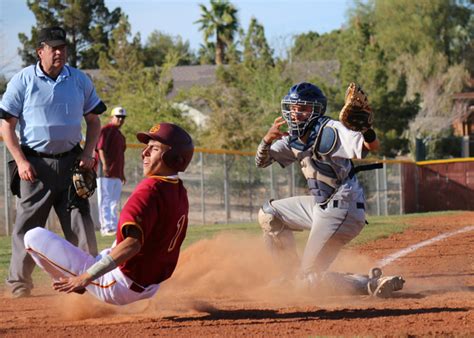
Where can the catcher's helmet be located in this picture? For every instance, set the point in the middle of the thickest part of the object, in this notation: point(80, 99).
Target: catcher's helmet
point(303, 93)
point(181, 144)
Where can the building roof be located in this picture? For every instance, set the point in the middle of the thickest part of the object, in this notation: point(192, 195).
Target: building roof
point(185, 77)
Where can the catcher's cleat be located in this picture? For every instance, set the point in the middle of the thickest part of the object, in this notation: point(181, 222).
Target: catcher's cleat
point(383, 287)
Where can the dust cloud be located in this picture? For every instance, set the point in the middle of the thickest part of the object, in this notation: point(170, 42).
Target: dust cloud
point(238, 268)
point(230, 267)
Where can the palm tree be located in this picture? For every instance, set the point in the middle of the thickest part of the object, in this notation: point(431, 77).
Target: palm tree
point(219, 21)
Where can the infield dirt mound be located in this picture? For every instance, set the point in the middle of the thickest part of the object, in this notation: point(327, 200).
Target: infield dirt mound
point(220, 287)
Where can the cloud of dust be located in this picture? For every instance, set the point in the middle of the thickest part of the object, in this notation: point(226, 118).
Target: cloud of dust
point(228, 267)
point(79, 307)
point(237, 267)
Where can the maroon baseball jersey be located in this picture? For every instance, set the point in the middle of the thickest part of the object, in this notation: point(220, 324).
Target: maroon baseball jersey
point(112, 142)
point(159, 208)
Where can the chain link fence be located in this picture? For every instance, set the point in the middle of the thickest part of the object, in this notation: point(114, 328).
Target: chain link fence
point(225, 187)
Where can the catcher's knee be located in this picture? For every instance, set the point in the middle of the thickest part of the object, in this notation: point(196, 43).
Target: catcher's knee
point(269, 220)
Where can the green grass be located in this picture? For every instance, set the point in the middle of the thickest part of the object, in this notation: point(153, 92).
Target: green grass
point(378, 227)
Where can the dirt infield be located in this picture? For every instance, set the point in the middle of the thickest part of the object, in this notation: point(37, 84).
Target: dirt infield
point(221, 288)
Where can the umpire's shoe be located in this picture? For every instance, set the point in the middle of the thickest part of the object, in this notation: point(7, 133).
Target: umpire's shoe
point(383, 287)
point(21, 293)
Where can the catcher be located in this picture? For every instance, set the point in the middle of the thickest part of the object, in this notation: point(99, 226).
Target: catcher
point(151, 228)
point(334, 212)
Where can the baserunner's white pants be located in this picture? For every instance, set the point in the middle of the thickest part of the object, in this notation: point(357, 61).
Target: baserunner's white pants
point(59, 258)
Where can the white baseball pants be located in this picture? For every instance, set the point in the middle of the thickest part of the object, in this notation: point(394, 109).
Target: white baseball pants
point(330, 228)
point(108, 198)
point(59, 258)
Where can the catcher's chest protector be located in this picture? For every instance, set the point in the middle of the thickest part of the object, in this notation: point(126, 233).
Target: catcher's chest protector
point(316, 165)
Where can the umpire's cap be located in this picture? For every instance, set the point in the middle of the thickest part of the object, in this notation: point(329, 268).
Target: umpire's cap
point(181, 144)
point(52, 36)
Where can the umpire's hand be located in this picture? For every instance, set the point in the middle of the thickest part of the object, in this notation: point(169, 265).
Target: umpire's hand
point(87, 162)
point(26, 171)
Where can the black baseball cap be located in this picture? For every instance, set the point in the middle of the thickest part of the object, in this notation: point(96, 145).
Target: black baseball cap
point(52, 36)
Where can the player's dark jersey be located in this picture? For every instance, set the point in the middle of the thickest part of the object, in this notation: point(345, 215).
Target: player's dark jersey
point(112, 142)
point(159, 207)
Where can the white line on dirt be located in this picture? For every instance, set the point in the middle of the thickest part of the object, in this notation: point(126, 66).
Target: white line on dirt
point(389, 259)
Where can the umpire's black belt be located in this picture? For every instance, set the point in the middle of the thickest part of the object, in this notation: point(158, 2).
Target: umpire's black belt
point(335, 204)
point(30, 152)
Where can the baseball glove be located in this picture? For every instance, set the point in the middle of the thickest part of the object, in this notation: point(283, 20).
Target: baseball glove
point(84, 181)
point(356, 114)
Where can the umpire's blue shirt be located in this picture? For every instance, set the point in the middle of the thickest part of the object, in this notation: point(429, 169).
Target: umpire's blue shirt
point(49, 112)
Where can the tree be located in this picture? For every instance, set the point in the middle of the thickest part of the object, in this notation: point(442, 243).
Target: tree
point(256, 48)
point(312, 46)
point(405, 26)
point(241, 105)
point(159, 44)
point(125, 81)
point(87, 23)
point(219, 21)
point(207, 53)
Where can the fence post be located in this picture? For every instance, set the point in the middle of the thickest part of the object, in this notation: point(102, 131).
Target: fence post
point(226, 190)
point(417, 187)
point(385, 185)
point(400, 186)
point(250, 161)
point(6, 191)
point(377, 187)
point(203, 204)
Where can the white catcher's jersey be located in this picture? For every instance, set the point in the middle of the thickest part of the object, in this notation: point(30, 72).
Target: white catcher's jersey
point(349, 145)
point(333, 222)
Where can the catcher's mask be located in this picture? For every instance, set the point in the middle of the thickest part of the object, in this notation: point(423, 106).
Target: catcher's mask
point(302, 94)
point(180, 142)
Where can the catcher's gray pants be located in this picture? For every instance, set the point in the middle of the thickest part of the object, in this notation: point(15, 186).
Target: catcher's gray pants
point(330, 228)
point(32, 210)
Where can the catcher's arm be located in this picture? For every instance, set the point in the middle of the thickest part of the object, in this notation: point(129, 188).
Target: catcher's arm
point(371, 142)
point(262, 158)
point(356, 113)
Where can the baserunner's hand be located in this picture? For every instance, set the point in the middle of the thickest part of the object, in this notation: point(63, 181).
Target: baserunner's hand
point(72, 284)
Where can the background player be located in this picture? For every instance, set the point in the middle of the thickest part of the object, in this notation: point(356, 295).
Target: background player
point(334, 211)
point(151, 228)
point(111, 151)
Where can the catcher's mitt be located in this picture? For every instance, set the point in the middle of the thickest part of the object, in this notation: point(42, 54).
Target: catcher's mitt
point(84, 181)
point(356, 113)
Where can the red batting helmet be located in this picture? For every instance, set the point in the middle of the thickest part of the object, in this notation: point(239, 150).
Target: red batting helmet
point(181, 144)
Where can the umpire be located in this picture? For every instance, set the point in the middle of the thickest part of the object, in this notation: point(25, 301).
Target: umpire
point(48, 101)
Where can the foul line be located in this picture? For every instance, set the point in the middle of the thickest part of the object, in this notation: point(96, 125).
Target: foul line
point(389, 259)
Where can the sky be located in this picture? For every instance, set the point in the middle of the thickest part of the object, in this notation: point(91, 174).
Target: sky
point(281, 19)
